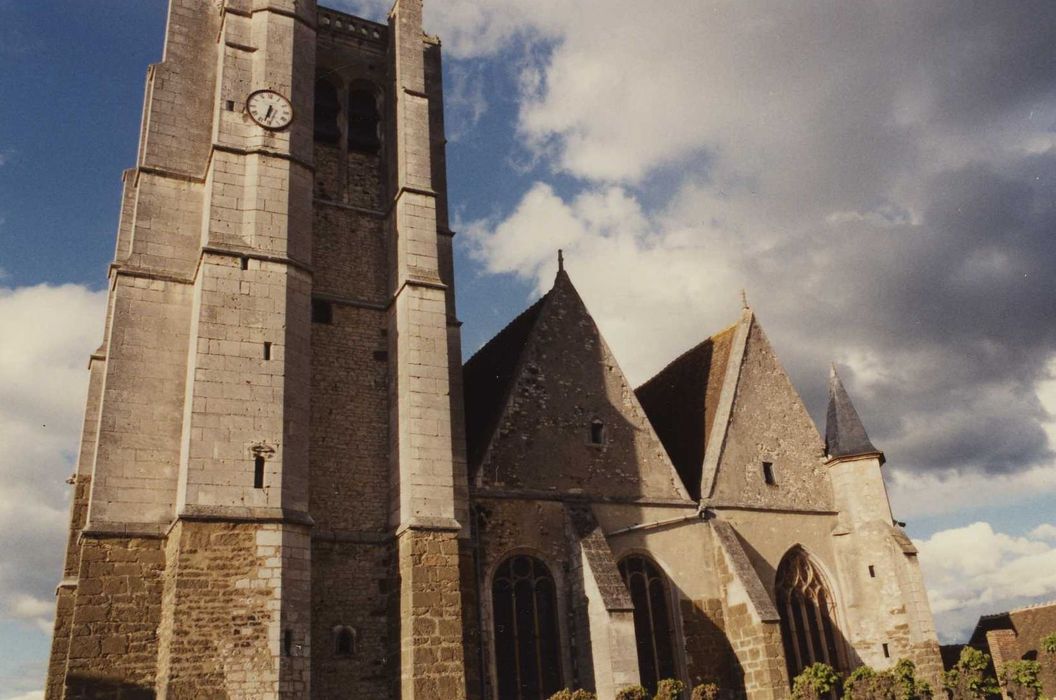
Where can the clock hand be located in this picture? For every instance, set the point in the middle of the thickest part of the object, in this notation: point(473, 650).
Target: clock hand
point(268, 114)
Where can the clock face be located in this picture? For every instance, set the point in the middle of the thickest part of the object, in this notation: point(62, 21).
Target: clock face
point(269, 109)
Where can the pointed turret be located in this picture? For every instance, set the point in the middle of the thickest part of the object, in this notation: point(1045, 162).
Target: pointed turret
point(845, 435)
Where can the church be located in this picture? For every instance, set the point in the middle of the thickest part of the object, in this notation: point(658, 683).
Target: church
point(289, 485)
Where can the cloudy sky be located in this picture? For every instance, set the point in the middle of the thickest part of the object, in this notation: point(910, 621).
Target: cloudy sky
point(880, 177)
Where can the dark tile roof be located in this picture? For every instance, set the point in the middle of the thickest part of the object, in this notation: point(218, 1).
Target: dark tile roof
point(845, 435)
point(742, 568)
point(680, 402)
point(487, 378)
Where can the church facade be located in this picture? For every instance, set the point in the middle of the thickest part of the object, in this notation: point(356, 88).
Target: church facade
point(290, 486)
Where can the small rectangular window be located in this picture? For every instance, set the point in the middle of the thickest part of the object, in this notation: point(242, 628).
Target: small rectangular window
point(267, 350)
point(768, 474)
point(244, 262)
point(322, 311)
point(258, 472)
point(887, 652)
point(287, 642)
point(872, 571)
point(230, 105)
point(597, 433)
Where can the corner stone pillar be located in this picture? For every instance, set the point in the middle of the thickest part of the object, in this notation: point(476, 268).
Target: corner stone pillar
point(427, 459)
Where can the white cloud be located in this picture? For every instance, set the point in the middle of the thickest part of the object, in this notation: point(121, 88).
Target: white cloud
point(973, 570)
point(1045, 531)
point(48, 333)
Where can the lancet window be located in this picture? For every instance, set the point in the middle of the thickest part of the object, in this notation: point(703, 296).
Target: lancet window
point(527, 650)
point(653, 631)
point(327, 109)
point(808, 615)
point(363, 120)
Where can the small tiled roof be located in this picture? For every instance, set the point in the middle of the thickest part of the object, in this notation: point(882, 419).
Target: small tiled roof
point(681, 401)
point(845, 435)
point(487, 377)
point(603, 567)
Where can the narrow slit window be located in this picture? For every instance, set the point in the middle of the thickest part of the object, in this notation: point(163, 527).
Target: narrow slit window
point(258, 472)
point(768, 474)
point(597, 433)
point(287, 642)
point(267, 350)
point(887, 652)
point(872, 571)
point(322, 311)
point(244, 261)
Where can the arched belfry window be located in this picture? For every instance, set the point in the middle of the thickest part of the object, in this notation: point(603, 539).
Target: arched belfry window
point(653, 631)
point(808, 615)
point(527, 651)
point(327, 110)
point(363, 120)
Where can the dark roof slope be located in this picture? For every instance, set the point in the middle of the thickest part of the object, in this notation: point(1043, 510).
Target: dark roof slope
point(845, 435)
point(487, 377)
point(681, 400)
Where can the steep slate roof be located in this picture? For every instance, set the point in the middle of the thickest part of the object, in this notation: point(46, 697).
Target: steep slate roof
point(487, 378)
point(845, 435)
point(681, 402)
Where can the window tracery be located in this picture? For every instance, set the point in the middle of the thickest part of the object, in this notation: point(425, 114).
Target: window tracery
point(808, 615)
point(653, 631)
point(527, 651)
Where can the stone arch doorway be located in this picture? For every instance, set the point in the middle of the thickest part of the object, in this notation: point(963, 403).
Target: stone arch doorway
point(527, 647)
point(654, 631)
point(809, 628)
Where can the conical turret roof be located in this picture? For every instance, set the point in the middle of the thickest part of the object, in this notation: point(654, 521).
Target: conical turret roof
point(845, 435)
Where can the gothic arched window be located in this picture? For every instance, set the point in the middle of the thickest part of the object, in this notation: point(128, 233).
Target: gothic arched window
point(344, 641)
point(363, 120)
point(653, 630)
point(527, 651)
point(327, 109)
point(808, 615)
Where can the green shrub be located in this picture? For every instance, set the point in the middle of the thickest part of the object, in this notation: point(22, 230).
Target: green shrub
point(815, 681)
point(1020, 679)
point(669, 689)
point(1048, 643)
point(579, 694)
point(708, 690)
point(898, 683)
point(632, 692)
point(968, 679)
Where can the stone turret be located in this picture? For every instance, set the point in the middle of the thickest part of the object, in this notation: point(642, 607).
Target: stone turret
point(885, 606)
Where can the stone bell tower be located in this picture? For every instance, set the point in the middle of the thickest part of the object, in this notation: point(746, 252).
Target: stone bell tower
point(271, 491)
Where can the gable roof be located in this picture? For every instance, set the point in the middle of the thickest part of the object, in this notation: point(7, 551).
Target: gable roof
point(681, 402)
point(487, 378)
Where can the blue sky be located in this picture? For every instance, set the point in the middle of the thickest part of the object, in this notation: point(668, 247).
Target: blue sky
point(879, 178)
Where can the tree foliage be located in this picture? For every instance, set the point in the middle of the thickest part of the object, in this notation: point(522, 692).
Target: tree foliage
point(1048, 643)
point(708, 690)
point(814, 682)
point(632, 692)
point(897, 683)
point(969, 679)
point(669, 689)
point(1021, 679)
point(578, 694)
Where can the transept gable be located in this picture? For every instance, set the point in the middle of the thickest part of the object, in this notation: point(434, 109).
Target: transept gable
point(769, 454)
point(569, 420)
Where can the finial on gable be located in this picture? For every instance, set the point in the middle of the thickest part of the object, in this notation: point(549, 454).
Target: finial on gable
point(744, 299)
point(560, 260)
